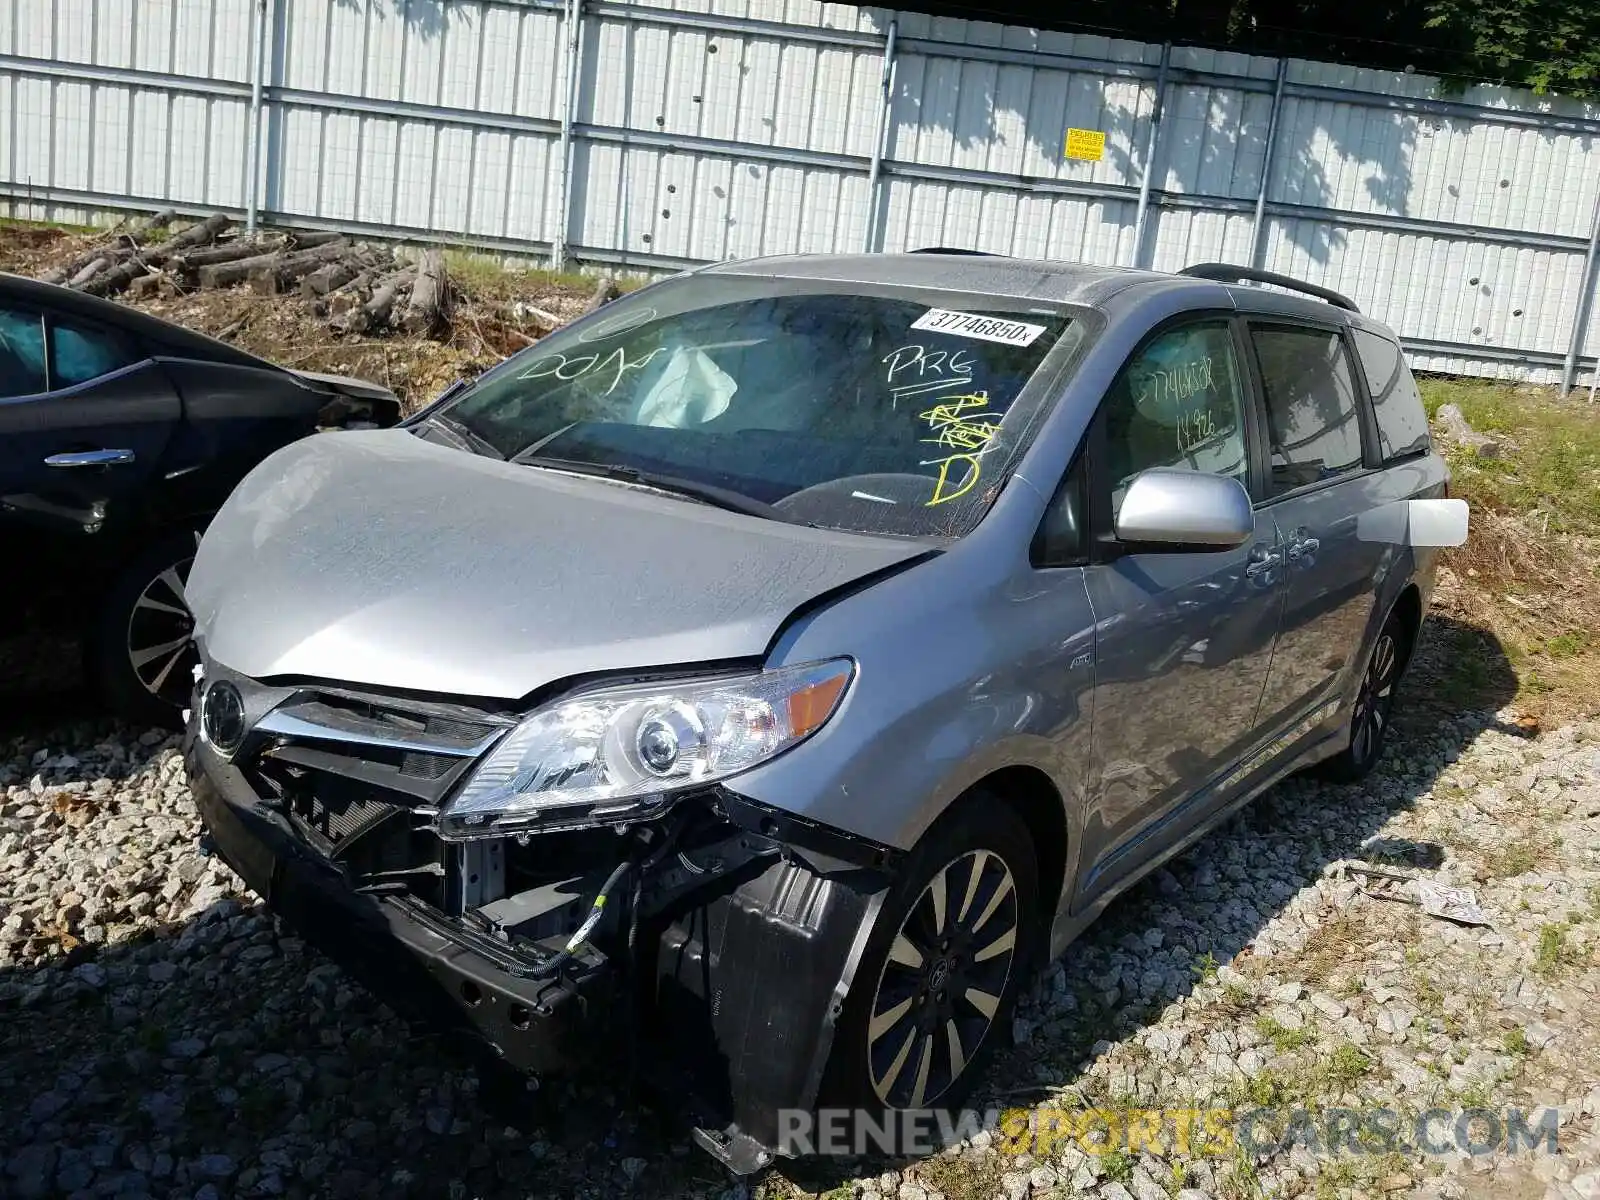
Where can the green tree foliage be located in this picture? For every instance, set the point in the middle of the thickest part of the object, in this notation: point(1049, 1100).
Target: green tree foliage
point(1546, 45)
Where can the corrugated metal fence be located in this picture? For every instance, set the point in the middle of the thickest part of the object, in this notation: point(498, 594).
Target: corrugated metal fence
point(659, 133)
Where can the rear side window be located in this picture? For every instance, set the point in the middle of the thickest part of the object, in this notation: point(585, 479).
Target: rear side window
point(1402, 421)
point(1312, 417)
point(79, 353)
point(22, 369)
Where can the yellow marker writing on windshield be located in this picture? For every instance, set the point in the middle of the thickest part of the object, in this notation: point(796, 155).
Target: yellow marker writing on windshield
point(945, 489)
point(955, 426)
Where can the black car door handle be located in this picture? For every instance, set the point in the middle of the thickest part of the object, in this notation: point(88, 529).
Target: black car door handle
point(90, 458)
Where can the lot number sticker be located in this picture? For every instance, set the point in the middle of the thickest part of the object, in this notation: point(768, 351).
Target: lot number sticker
point(974, 325)
point(1088, 145)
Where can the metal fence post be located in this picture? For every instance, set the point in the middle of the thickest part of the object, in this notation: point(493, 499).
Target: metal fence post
point(1580, 319)
point(1268, 161)
point(252, 152)
point(572, 16)
point(1152, 147)
point(880, 145)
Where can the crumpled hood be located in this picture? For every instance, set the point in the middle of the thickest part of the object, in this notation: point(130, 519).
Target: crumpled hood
point(380, 559)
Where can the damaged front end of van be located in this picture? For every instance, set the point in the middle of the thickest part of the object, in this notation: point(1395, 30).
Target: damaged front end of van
point(475, 872)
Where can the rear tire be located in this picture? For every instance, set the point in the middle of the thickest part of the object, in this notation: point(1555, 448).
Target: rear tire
point(141, 651)
point(939, 977)
point(1374, 706)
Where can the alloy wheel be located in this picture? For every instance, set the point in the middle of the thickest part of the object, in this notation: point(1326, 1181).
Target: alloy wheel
point(1376, 699)
point(160, 642)
point(940, 988)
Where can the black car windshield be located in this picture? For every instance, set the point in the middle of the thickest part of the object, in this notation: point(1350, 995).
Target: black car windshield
point(883, 410)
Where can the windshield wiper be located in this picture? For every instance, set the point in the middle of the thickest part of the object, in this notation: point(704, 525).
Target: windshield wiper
point(462, 436)
point(706, 493)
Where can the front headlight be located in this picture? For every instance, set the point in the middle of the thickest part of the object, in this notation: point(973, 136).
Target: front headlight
point(620, 753)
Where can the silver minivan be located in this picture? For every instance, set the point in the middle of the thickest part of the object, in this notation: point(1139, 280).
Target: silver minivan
point(760, 676)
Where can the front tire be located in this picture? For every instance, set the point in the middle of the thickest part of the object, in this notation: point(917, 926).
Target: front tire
point(141, 646)
point(939, 978)
point(1374, 707)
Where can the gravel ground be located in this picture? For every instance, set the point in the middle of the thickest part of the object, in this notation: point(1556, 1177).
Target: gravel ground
point(159, 1035)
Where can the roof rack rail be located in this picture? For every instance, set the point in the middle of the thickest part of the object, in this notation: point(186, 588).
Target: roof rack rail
point(1228, 273)
point(953, 250)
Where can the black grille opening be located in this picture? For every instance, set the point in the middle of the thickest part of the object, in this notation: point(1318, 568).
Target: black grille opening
point(416, 765)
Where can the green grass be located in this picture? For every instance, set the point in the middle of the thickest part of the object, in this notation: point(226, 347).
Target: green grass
point(1516, 857)
point(481, 274)
point(1550, 463)
point(1552, 951)
point(959, 1177)
point(1568, 645)
point(1118, 1167)
point(1281, 1036)
point(1235, 1000)
point(1346, 1066)
point(1516, 1042)
point(22, 223)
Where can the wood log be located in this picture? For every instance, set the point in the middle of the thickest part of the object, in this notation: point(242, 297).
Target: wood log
point(545, 319)
point(344, 299)
point(120, 240)
point(374, 314)
point(108, 283)
point(140, 229)
point(146, 285)
point(62, 272)
point(281, 274)
point(1455, 426)
point(605, 291)
point(101, 263)
point(200, 234)
point(225, 274)
point(190, 261)
point(330, 276)
point(306, 239)
point(429, 310)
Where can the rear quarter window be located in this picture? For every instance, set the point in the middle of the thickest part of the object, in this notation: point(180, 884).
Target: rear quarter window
point(1402, 421)
point(79, 353)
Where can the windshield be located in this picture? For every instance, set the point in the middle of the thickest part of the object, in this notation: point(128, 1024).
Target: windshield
point(883, 410)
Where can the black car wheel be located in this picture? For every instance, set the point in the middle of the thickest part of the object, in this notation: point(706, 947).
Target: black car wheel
point(939, 977)
point(1374, 706)
point(143, 652)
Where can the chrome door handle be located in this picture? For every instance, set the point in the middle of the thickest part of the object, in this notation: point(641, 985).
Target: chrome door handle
point(1304, 547)
point(1262, 561)
point(90, 458)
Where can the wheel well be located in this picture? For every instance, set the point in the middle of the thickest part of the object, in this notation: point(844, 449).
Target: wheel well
point(1408, 607)
point(1035, 799)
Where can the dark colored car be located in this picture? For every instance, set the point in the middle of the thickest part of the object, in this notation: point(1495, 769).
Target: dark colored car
point(120, 435)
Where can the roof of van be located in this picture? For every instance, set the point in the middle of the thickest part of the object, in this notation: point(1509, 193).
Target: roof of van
point(1020, 278)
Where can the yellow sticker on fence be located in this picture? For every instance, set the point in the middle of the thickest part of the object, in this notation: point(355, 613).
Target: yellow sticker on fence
point(1086, 144)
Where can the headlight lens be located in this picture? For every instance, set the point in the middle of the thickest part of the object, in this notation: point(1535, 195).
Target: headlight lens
point(619, 754)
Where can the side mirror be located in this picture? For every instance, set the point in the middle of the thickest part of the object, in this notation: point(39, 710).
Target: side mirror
point(1185, 510)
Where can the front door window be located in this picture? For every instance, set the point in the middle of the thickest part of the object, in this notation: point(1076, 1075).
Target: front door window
point(1178, 403)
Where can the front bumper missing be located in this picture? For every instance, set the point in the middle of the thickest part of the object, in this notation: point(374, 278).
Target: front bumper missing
point(732, 988)
point(397, 948)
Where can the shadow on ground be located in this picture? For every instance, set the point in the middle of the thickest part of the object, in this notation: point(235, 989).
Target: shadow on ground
point(222, 1052)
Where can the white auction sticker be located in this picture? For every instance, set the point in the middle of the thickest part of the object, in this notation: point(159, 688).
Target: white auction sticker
point(974, 325)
